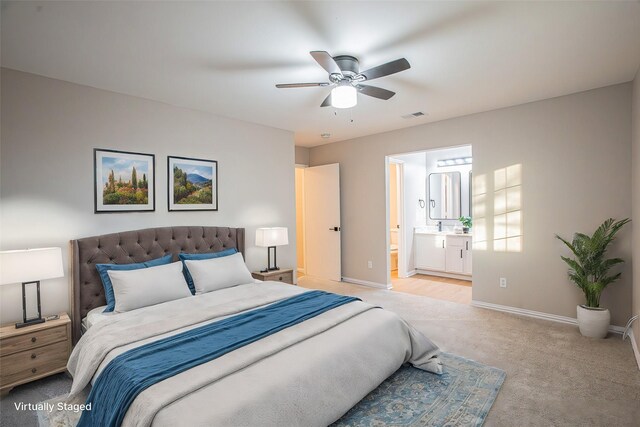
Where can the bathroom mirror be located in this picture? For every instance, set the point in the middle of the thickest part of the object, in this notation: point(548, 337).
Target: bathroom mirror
point(445, 195)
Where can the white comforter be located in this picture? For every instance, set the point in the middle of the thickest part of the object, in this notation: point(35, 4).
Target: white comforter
point(307, 375)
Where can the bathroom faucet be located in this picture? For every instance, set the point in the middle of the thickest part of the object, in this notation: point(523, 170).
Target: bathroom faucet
point(439, 225)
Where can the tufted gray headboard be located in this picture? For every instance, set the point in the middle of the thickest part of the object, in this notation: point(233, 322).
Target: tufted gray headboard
point(136, 246)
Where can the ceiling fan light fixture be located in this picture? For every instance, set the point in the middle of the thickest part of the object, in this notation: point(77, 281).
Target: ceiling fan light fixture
point(344, 96)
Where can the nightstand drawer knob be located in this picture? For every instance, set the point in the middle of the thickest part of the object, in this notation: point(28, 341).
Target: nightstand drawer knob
point(33, 371)
point(33, 355)
point(280, 278)
point(33, 339)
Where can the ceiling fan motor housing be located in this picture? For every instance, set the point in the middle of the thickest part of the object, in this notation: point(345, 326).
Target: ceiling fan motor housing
point(348, 64)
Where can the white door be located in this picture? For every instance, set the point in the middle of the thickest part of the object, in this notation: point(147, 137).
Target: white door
point(322, 221)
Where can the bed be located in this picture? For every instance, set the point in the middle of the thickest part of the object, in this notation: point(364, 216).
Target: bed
point(308, 374)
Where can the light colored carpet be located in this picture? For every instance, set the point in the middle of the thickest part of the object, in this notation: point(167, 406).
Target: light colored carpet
point(555, 376)
point(35, 392)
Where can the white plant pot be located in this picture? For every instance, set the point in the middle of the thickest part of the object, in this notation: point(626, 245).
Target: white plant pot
point(593, 322)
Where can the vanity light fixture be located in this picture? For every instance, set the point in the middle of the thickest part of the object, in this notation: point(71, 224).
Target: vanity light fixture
point(456, 161)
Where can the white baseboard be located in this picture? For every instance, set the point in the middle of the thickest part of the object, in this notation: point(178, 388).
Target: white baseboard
point(366, 283)
point(411, 273)
point(634, 345)
point(443, 274)
point(537, 314)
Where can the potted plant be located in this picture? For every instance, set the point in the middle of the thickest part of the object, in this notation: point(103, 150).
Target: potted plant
point(466, 223)
point(589, 270)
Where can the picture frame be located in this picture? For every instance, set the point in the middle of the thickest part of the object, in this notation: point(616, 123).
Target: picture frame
point(123, 181)
point(192, 184)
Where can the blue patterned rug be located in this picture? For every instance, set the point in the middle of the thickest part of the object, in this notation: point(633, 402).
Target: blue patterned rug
point(461, 396)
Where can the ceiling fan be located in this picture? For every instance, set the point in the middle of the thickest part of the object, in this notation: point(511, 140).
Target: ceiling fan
point(344, 74)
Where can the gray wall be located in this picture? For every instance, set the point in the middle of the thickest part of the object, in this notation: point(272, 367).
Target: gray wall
point(636, 204)
point(302, 156)
point(575, 157)
point(49, 130)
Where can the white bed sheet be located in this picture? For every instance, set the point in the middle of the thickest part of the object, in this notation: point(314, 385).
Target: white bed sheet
point(96, 316)
point(308, 375)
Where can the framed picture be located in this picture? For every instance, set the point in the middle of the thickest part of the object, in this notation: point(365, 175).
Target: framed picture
point(193, 184)
point(124, 182)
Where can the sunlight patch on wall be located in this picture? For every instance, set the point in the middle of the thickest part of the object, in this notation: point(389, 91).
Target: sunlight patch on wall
point(479, 212)
point(507, 209)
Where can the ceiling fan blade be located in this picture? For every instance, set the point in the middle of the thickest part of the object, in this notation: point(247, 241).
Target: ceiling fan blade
point(326, 61)
point(376, 92)
point(327, 101)
point(386, 69)
point(290, 85)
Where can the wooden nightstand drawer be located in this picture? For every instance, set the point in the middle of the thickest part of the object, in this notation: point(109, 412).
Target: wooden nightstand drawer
point(33, 363)
point(284, 276)
point(32, 340)
point(33, 352)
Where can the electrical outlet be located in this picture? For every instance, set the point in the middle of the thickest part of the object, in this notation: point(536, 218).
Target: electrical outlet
point(370, 264)
point(503, 282)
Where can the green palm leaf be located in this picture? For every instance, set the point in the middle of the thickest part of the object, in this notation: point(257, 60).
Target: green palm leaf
point(589, 269)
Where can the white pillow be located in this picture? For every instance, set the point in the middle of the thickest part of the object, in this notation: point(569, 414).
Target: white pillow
point(218, 273)
point(148, 286)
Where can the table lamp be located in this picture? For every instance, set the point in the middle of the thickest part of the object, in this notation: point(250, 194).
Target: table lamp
point(270, 237)
point(29, 266)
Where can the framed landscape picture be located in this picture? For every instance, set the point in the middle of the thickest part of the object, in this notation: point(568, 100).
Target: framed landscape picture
point(124, 182)
point(193, 184)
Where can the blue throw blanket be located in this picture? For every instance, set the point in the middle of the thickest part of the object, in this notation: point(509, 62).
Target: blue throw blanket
point(130, 373)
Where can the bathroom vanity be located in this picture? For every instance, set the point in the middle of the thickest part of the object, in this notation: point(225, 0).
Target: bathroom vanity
point(443, 253)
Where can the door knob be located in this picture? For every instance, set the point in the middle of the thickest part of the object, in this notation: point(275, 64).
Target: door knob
point(334, 229)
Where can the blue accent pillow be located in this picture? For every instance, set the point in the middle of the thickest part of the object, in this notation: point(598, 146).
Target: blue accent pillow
point(191, 257)
point(106, 280)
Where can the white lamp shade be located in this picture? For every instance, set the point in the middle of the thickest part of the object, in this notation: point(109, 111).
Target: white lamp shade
point(344, 96)
point(272, 236)
point(29, 265)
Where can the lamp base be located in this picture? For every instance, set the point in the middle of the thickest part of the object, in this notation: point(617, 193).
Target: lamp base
point(29, 322)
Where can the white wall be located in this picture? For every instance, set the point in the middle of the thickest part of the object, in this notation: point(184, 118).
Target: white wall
point(49, 130)
point(414, 168)
point(575, 157)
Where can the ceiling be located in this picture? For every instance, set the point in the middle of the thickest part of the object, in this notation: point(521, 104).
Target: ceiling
point(226, 57)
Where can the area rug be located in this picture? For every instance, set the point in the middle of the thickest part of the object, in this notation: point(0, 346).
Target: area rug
point(460, 397)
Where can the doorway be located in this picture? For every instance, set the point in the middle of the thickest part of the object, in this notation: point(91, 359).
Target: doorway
point(428, 194)
point(396, 261)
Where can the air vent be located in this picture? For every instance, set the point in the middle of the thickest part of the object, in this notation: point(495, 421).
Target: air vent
point(413, 115)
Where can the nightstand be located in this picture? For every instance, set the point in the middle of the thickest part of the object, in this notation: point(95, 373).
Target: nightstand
point(33, 352)
point(283, 275)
